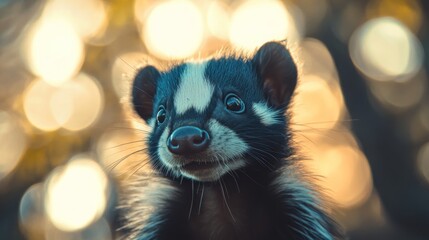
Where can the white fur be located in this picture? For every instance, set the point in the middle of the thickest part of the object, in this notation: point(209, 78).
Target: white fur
point(218, 172)
point(194, 91)
point(164, 155)
point(225, 142)
point(146, 199)
point(304, 200)
point(151, 122)
point(267, 115)
point(225, 145)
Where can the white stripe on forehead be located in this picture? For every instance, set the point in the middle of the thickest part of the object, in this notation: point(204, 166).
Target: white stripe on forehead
point(194, 91)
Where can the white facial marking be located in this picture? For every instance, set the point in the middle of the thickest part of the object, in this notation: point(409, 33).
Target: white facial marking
point(194, 91)
point(215, 174)
point(151, 122)
point(226, 148)
point(225, 142)
point(267, 115)
point(164, 155)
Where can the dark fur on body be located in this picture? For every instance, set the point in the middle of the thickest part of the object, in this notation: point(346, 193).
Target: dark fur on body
point(268, 198)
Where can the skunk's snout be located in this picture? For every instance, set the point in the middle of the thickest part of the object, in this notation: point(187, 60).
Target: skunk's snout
point(188, 140)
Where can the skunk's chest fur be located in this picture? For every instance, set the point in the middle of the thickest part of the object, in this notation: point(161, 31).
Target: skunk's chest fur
point(247, 215)
point(222, 153)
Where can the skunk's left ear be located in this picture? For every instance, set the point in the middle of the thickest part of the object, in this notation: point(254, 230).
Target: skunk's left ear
point(277, 72)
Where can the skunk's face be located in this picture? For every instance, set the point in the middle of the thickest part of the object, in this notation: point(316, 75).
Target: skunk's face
point(217, 116)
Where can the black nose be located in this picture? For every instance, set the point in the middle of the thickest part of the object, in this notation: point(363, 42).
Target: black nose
point(187, 140)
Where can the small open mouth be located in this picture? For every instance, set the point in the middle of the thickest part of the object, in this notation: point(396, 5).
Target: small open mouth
point(199, 166)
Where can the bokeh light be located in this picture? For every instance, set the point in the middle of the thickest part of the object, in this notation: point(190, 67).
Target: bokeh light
point(385, 49)
point(37, 101)
point(423, 161)
point(316, 102)
point(173, 29)
point(124, 69)
point(218, 19)
point(397, 96)
point(13, 142)
point(314, 58)
point(54, 51)
point(407, 11)
point(86, 102)
point(315, 14)
point(424, 117)
point(87, 17)
point(255, 22)
point(31, 214)
point(121, 150)
point(99, 230)
point(345, 174)
point(76, 195)
point(74, 106)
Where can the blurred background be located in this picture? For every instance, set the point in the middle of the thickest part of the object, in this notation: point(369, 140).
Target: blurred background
point(360, 117)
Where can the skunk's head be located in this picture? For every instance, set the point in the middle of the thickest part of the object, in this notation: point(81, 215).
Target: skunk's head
point(217, 116)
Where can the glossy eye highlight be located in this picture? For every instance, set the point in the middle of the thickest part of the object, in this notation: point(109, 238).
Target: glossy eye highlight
point(160, 115)
point(233, 103)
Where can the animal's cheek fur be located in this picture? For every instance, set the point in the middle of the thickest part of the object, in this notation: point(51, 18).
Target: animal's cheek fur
point(226, 143)
point(160, 157)
point(165, 157)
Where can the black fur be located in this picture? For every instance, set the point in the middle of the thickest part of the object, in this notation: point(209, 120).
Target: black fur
point(269, 198)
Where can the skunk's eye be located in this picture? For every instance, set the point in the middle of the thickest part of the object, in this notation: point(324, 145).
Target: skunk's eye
point(233, 103)
point(160, 116)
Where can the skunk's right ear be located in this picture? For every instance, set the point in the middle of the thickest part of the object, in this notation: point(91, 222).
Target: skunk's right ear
point(277, 71)
point(143, 92)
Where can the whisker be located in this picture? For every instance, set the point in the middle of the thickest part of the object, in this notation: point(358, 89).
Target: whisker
point(226, 202)
point(142, 164)
point(123, 144)
point(129, 148)
point(226, 187)
point(201, 201)
point(192, 200)
point(326, 122)
point(129, 65)
point(113, 165)
point(253, 180)
point(130, 128)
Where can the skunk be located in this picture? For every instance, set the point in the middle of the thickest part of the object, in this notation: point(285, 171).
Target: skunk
point(221, 148)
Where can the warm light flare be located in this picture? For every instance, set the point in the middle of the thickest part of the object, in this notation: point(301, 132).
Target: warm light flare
point(76, 195)
point(121, 151)
point(124, 69)
point(385, 49)
point(37, 106)
point(31, 215)
point(13, 143)
point(173, 29)
point(345, 174)
point(86, 102)
point(54, 51)
point(218, 19)
point(423, 161)
point(397, 96)
point(74, 105)
point(256, 22)
point(87, 17)
point(316, 102)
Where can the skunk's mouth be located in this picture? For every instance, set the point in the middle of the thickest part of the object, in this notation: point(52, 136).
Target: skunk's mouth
point(199, 166)
point(210, 170)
